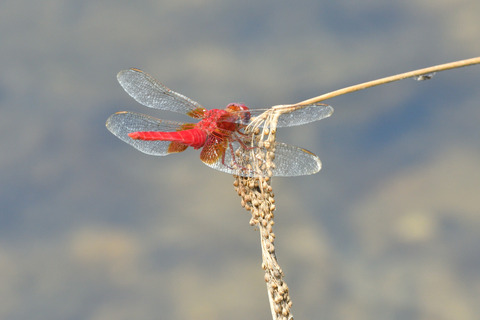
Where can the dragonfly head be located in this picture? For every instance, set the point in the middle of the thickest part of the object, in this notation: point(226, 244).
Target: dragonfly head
point(241, 110)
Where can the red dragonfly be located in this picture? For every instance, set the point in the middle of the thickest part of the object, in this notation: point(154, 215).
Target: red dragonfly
point(219, 133)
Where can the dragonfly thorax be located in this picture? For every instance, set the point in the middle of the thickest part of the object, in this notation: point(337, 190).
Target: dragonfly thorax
point(221, 121)
point(241, 110)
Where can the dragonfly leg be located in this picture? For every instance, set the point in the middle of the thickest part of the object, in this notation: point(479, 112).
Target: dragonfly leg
point(242, 169)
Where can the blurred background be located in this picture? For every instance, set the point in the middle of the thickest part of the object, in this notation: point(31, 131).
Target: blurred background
point(90, 228)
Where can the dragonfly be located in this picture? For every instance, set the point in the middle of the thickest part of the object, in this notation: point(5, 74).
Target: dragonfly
point(219, 133)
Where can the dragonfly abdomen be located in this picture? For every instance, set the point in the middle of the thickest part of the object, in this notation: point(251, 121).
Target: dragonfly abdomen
point(192, 137)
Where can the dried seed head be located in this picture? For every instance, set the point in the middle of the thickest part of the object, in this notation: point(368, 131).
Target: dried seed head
point(269, 228)
point(278, 299)
point(277, 308)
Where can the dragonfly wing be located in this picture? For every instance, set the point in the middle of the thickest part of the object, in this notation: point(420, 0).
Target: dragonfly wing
point(213, 150)
point(296, 115)
point(148, 91)
point(221, 157)
point(123, 123)
point(289, 161)
point(305, 114)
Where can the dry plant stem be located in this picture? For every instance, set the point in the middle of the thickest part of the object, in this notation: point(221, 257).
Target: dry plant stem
point(258, 198)
point(410, 74)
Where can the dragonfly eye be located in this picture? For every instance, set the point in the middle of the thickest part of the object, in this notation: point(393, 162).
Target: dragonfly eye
point(242, 111)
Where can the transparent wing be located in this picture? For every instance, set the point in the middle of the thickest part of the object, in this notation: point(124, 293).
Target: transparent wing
point(289, 161)
point(291, 115)
point(303, 114)
point(148, 91)
point(123, 123)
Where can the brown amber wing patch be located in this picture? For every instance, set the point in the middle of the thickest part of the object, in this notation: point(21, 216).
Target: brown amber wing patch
point(197, 113)
point(186, 126)
point(176, 147)
point(213, 150)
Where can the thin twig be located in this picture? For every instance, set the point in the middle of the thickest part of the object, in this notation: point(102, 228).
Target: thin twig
point(410, 74)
